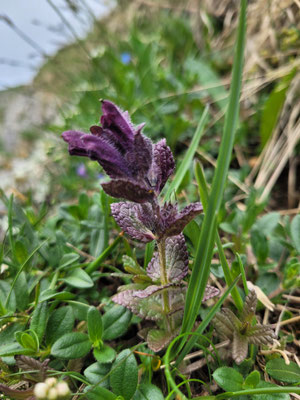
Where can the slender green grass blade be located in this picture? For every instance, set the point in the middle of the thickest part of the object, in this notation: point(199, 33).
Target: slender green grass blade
point(243, 273)
point(188, 158)
point(203, 190)
point(201, 266)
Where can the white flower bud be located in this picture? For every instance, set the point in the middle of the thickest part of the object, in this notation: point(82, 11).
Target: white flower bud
point(40, 390)
point(52, 394)
point(62, 389)
point(51, 382)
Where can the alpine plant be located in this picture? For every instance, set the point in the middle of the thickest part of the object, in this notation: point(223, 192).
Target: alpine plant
point(138, 170)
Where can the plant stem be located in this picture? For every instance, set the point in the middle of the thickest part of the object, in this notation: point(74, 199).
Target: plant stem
point(161, 248)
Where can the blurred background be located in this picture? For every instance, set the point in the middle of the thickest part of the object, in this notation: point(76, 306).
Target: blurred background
point(163, 61)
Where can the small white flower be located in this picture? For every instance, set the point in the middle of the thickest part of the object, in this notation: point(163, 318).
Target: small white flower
point(62, 389)
point(52, 394)
point(51, 382)
point(40, 390)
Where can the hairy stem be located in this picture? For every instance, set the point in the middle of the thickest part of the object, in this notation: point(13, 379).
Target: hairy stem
point(161, 248)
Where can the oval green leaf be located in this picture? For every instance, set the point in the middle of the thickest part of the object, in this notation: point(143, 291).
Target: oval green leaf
point(95, 326)
point(96, 373)
point(98, 393)
point(228, 379)
point(71, 345)
point(61, 321)
point(116, 322)
point(105, 355)
point(124, 375)
point(147, 391)
point(79, 279)
point(279, 370)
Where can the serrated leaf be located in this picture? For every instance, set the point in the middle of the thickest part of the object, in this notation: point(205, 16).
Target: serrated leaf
point(79, 279)
point(157, 339)
point(96, 372)
point(95, 326)
point(71, 345)
point(228, 379)
point(61, 321)
point(295, 232)
point(281, 371)
point(239, 347)
point(115, 322)
point(147, 391)
point(176, 261)
point(124, 375)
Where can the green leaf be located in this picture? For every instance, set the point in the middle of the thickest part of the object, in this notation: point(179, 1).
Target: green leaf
point(188, 158)
point(21, 287)
point(252, 380)
point(39, 320)
point(71, 345)
point(268, 223)
point(96, 373)
point(21, 252)
point(269, 396)
point(104, 355)
point(124, 375)
point(260, 245)
point(210, 80)
point(228, 379)
point(147, 391)
point(98, 393)
point(68, 259)
point(95, 326)
point(281, 371)
point(79, 279)
point(272, 108)
point(29, 340)
point(116, 322)
point(13, 349)
point(61, 321)
point(5, 293)
point(52, 294)
point(295, 232)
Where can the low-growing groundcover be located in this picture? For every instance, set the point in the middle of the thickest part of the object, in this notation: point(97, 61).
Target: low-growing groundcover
point(109, 299)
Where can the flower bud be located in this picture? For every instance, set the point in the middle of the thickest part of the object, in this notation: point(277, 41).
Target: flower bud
point(40, 390)
point(62, 389)
point(51, 382)
point(52, 394)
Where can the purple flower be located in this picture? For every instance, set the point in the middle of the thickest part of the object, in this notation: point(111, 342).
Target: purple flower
point(138, 168)
point(81, 170)
point(147, 222)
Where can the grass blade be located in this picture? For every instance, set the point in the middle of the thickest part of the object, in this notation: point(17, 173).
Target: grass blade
point(201, 266)
point(202, 185)
point(188, 158)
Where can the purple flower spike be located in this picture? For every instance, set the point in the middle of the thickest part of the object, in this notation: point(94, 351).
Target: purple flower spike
point(163, 165)
point(138, 169)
